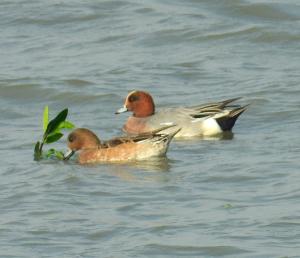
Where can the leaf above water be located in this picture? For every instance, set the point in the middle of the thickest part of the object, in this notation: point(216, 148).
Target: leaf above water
point(66, 125)
point(55, 153)
point(52, 133)
point(53, 137)
point(54, 123)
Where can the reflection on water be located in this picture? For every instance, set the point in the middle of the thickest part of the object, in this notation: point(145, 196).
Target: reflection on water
point(142, 170)
point(159, 164)
point(128, 171)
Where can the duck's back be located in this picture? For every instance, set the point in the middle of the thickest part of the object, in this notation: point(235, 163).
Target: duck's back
point(155, 146)
point(182, 117)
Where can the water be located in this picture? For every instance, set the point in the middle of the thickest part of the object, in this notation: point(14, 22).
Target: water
point(218, 198)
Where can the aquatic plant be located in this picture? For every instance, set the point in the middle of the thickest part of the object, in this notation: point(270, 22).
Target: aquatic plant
point(52, 133)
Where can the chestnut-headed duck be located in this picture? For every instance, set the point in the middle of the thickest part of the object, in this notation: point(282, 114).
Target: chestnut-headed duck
point(119, 149)
point(209, 119)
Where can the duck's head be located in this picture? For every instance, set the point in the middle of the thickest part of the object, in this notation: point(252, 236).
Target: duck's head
point(140, 103)
point(80, 139)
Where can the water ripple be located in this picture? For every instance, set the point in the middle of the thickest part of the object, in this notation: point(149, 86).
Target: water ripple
point(177, 250)
point(274, 12)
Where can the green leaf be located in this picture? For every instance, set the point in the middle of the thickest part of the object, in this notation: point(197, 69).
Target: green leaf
point(50, 153)
point(59, 155)
point(45, 118)
point(54, 123)
point(37, 153)
point(66, 125)
point(52, 134)
point(53, 137)
point(55, 153)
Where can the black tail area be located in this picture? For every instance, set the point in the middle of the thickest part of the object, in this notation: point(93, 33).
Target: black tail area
point(227, 122)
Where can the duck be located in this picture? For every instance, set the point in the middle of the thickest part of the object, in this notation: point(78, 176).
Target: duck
point(119, 149)
point(204, 120)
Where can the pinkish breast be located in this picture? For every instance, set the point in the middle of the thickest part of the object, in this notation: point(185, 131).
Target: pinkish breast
point(136, 125)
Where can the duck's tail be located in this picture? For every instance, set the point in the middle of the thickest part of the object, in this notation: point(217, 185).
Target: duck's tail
point(168, 136)
point(227, 121)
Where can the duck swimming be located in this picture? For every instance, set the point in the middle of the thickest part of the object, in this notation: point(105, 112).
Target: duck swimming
point(202, 120)
point(127, 148)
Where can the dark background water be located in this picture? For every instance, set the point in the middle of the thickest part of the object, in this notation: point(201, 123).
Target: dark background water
point(233, 198)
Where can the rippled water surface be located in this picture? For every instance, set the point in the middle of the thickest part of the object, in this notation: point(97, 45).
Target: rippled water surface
point(208, 198)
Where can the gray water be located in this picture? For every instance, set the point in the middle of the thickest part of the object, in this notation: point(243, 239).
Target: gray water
point(208, 198)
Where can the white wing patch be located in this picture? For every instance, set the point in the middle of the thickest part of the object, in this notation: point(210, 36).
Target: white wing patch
point(199, 119)
point(167, 123)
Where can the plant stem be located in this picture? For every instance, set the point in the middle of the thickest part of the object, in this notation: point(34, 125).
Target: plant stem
point(41, 146)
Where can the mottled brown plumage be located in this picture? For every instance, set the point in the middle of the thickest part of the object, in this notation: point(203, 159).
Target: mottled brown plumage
point(119, 149)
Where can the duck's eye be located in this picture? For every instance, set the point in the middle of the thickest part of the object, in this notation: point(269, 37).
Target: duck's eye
point(133, 98)
point(71, 137)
